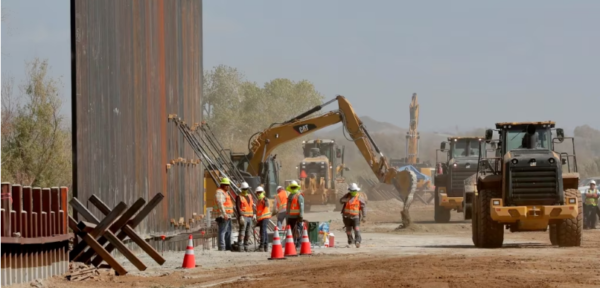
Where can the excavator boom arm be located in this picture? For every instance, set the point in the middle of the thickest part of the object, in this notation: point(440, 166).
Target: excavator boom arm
point(271, 138)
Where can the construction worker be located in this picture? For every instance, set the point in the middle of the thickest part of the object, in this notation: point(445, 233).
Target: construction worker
point(245, 208)
point(263, 214)
point(295, 211)
point(280, 203)
point(590, 206)
point(223, 211)
point(353, 206)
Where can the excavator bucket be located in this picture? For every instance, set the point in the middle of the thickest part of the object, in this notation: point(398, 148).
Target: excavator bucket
point(406, 184)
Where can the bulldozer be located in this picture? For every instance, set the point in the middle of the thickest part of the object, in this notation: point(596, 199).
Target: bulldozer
point(319, 171)
point(527, 186)
point(459, 164)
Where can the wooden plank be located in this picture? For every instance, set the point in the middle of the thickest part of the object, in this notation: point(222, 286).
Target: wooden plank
point(127, 230)
point(34, 225)
point(46, 204)
point(137, 205)
point(17, 206)
point(6, 205)
point(24, 224)
point(52, 223)
point(28, 207)
point(44, 225)
point(3, 215)
point(13, 222)
point(97, 247)
point(64, 195)
point(100, 228)
point(55, 207)
point(61, 216)
point(124, 250)
point(37, 209)
point(101, 225)
point(146, 210)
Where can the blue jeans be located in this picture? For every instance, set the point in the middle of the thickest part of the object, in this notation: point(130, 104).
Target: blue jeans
point(224, 233)
point(245, 232)
point(280, 219)
point(297, 230)
point(264, 237)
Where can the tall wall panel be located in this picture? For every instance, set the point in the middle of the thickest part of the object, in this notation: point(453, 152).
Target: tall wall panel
point(135, 62)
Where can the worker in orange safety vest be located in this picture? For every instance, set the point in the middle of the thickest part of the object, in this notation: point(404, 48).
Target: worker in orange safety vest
point(354, 205)
point(245, 208)
point(222, 212)
point(280, 206)
point(295, 211)
point(263, 215)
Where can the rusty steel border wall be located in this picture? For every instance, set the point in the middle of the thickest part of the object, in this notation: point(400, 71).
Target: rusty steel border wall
point(35, 237)
point(133, 63)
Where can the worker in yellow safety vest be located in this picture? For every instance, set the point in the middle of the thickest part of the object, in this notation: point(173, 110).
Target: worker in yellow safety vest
point(222, 212)
point(354, 205)
point(245, 208)
point(263, 215)
point(590, 206)
point(280, 206)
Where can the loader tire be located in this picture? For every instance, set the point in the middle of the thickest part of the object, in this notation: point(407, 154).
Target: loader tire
point(491, 233)
point(474, 223)
point(440, 214)
point(569, 230)
point(553, 234)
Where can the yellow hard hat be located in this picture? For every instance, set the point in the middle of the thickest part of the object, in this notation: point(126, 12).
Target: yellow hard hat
point(225, 181)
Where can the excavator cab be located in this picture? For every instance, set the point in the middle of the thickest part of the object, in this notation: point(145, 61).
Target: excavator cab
point(268, 176)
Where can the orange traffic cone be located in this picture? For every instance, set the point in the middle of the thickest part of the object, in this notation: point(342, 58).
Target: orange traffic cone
point(276, 249)
point(305, 243)
point(290, 247)
point(189, 260)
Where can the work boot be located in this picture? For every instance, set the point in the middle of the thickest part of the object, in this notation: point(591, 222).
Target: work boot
point(266, 249)
point(357, 244)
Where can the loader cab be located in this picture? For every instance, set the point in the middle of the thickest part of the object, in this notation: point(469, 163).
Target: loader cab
point(314, 148)
point(461, 161)
point(531, 171)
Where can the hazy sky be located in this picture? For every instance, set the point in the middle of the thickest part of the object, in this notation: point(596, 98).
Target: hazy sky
point(472, 63)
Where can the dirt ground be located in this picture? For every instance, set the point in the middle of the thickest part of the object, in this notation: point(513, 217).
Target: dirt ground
point(424, 255)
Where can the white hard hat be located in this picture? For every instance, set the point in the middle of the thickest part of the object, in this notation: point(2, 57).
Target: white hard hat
point(260, 189)
point(294, 184)
point(353, 187)
point(280, 188)
point(592, 182)
point(244, 185)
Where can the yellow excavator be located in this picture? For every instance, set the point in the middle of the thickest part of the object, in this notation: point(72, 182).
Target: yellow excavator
point(262, 144)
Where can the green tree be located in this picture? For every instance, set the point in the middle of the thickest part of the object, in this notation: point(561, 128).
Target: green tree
point(36, 142)
point(237, 109)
